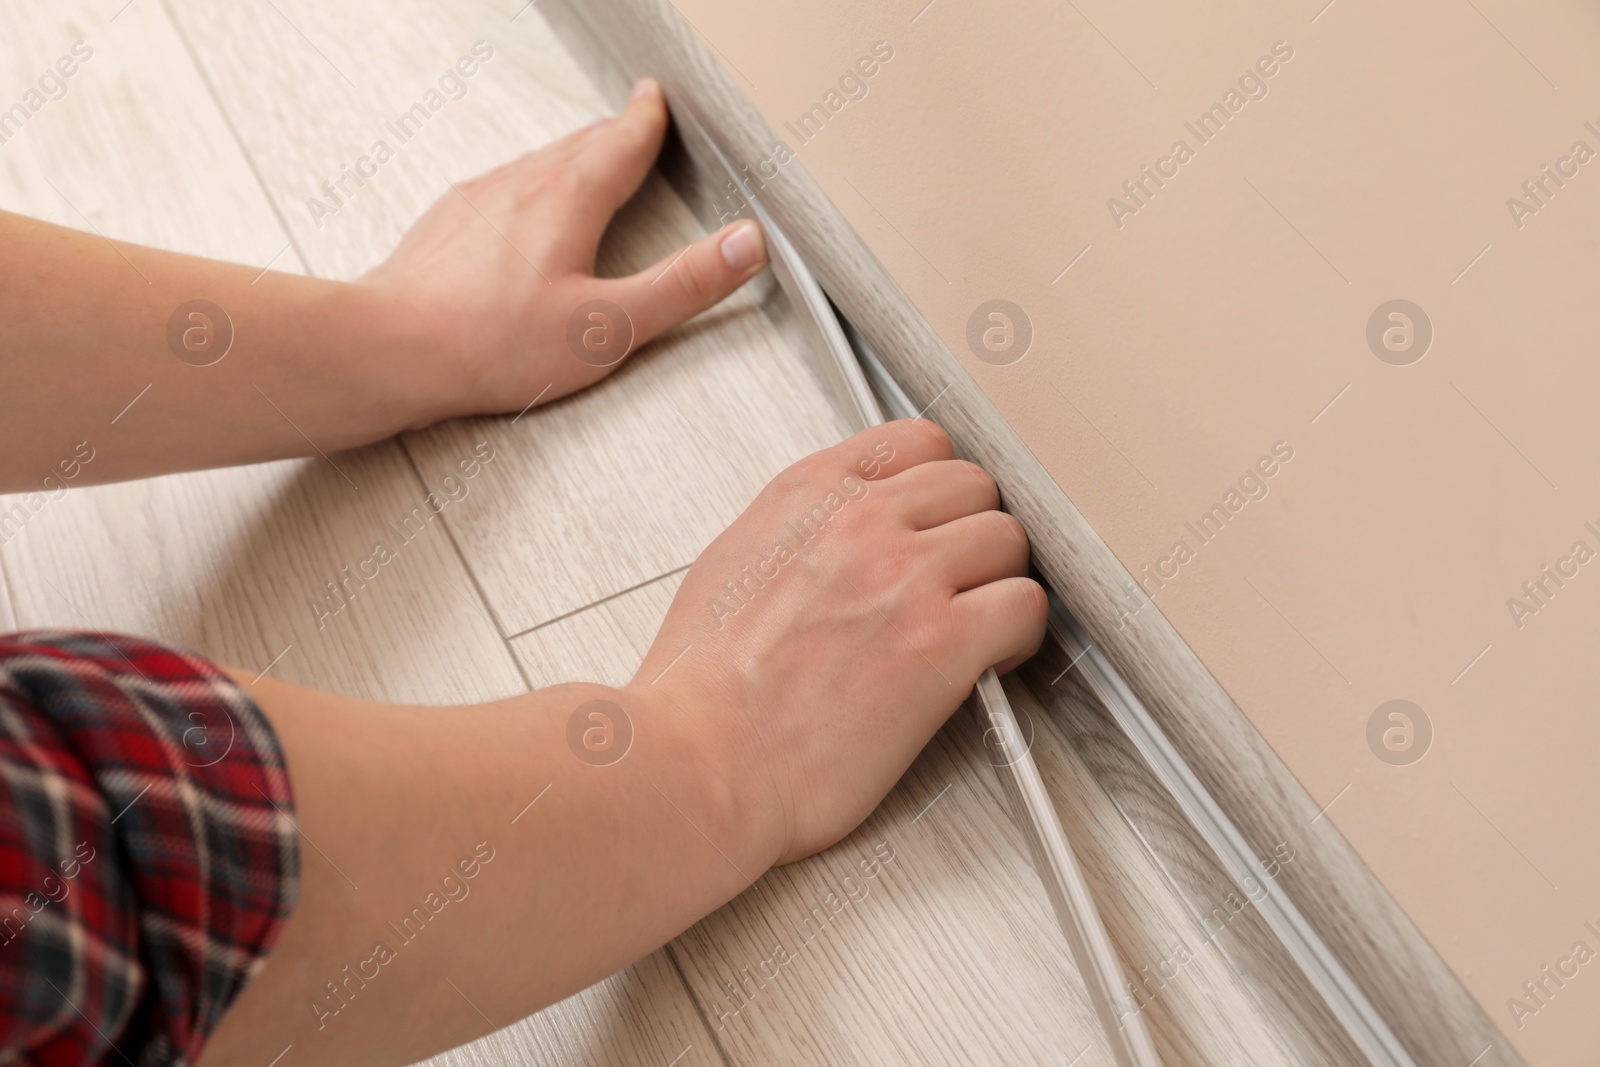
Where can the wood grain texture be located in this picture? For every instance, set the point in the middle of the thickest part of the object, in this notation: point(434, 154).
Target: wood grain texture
point(134, 149)
point(8, 614)
point(565, 552)
point(1074, 736)
point(228, 562)
point(1401, 974)
point(1192, 1000)
point(604, 643)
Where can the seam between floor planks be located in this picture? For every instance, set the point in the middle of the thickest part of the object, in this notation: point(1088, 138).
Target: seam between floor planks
point(204, 75)
point(678, 954)
point(484, 605)
point(372, 455)
point(603, 600)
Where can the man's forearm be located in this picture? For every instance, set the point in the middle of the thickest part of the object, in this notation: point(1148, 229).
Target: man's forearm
point(152, 362)
point(521, 850)
point(164, 362)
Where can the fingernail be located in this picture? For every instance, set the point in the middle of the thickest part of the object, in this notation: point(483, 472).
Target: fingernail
point(642, 88)
point(743, 247)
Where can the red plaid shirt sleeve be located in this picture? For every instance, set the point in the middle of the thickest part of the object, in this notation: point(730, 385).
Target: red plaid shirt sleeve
point(148, 856)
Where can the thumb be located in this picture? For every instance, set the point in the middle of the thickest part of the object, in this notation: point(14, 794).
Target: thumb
point(683, 285)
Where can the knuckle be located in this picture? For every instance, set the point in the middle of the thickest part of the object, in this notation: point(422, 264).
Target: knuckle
point(864, 455)
point(925, 634)
point(1007, 527)
point(1032, 603)
point(852, 520)
point(965, 468)
point(892, 568)
point(792, 482)
point(927, 637)
point(568, 177)
point(931, 432)
point(624, 130)
point(559, 178)
point(810, 470)
point(696, 277)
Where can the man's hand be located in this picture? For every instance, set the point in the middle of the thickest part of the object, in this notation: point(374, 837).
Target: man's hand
point(498, 267)
point(828, 633)
point(489, 302)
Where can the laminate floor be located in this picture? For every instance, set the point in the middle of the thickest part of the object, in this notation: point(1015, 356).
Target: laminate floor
point(206, 129)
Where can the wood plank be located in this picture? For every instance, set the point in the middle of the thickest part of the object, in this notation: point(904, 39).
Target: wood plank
point(229, 562)
point(134, 148)
point(234, 563)
point(1402, 975)
point(1128, 823)
point(604, 643)
point(8, 614)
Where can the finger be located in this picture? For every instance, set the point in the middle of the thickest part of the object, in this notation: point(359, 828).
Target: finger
point(975, 550)
point(531, 162)
point(683, 285)
point(887, 450)
point(933, 494)
point(1001, 623)
point(614, 159)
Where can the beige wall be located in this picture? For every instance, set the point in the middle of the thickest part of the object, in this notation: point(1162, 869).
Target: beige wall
point(1223, 316)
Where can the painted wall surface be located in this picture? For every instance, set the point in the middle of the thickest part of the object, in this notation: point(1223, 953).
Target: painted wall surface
point(1310, 292)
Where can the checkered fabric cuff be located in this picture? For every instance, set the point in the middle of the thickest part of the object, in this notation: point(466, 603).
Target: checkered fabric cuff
point(148, 856)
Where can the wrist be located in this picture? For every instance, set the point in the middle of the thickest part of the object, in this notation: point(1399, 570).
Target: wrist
point(410, 363)
point(730, 787)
